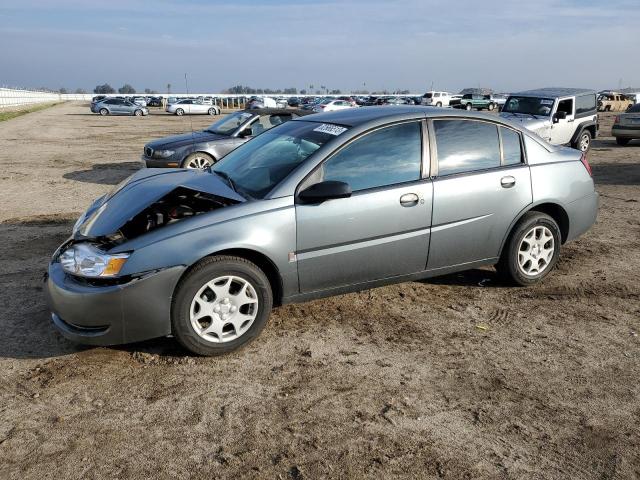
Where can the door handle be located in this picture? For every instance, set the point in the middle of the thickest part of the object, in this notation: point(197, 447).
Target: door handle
point(507, 182)
point(409, 200)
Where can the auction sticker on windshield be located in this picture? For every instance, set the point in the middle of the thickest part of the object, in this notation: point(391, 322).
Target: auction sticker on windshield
point(330, 129)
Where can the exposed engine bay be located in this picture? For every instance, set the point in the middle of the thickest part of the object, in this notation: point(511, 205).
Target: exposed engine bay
point(176, 205)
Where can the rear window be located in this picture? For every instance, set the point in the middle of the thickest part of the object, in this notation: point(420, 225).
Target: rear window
point(585, 104)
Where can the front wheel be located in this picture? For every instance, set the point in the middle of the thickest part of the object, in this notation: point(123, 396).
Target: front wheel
point(439, 104)
point(211, 111)
point(198, 161)
point(223, 303)
point(104, 111)
point(531, 251)
point(622, 141)
point(138, 113)
point(491, 107)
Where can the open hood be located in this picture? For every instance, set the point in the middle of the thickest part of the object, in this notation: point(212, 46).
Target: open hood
point(187, 192)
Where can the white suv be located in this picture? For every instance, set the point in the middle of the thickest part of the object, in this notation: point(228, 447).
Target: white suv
point(436, 99)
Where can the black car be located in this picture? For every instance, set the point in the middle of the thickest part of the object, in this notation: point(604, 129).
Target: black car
point(204, 148)
point(154, 102)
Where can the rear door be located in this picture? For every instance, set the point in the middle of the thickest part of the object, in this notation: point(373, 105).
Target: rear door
point(482, 183)
point(382, 230)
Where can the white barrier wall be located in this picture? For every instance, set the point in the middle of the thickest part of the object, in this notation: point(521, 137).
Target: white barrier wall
point(16, 98)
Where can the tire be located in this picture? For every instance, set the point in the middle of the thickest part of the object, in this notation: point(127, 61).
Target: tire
point(583, 143)
point(104, 111)
point(239, 324)
point(179, 112)
point(138, 113)
point(198, 161)
point(211, 111)
point(468, 107)
point(520, 269)
point(439, 104)
point(491, 107)
point(622, 141)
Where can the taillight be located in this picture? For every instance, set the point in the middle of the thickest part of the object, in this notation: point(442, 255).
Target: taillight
point(617, 120)
point(585, 162)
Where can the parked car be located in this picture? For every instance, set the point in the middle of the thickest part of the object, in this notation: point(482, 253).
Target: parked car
point(192, 107)
point(562, 116)
point(204, 256)
point(626, 126)
point(262, 102)
point(499, 100)
point(329, 105)
point(293, 101)
point(139, 101)
point(118, 106)
point(613, 102)
point(436, 99)
point(470, 101)
point(154, 102)
point(204, 148)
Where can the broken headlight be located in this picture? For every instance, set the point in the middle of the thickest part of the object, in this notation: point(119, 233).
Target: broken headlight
point(88, 260)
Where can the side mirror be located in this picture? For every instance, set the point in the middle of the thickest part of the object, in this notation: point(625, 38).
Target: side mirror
point(319, 192)
point(559, 116)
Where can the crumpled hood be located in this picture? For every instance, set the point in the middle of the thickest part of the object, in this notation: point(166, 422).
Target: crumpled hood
point(175, 141)
point(111, 211)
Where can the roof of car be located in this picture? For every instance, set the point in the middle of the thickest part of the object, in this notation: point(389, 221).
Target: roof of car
point(554, 92)
point(352, 117)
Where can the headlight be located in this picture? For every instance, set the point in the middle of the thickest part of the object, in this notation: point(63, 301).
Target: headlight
point(163, 153)
point(88, 261)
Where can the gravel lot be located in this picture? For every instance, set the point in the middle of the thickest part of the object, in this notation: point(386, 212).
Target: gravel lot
point(457, 377)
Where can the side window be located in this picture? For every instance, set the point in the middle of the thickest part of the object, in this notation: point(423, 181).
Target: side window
point(385, 157)
point(566, 106)
point(511, 148)
point(585, 104)
point(466, 146)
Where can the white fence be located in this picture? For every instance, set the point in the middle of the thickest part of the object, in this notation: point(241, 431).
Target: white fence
point(16, 98)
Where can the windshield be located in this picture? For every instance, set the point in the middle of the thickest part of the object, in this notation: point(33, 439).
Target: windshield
point(428, 95)
point(529, 105)
point(256, 167)
point(229, 124)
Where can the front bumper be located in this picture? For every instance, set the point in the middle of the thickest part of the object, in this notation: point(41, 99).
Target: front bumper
point(111, 314)
point(160, 162)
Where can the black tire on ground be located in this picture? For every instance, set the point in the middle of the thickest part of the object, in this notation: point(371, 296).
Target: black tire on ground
point(138, 113)
point(104, 111)
point(468, 107)
point(211, 111)
point(491, 107)
point(622, 141)
point(583, 142)
point(179, 112)
point(508, 267)
point(204, 271)
point(439, 104)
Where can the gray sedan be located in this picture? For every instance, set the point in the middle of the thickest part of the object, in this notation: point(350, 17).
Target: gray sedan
point(204, 148)
point(118, 106)
point(318, 206)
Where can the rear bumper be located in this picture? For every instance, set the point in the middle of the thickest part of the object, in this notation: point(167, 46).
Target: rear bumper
point(626, 131)
point(111, 314)
point(582, 215)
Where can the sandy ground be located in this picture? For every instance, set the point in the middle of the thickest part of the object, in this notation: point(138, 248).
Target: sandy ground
point(393, 382)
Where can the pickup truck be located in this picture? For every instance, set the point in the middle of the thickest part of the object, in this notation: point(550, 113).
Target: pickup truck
point(470, 101)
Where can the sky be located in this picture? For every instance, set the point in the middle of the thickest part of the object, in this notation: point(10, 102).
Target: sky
point(348, 45)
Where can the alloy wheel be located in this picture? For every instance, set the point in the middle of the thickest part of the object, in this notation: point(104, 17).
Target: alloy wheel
point(199, 162)
point(536, 251)
point(585, 141)
point(224, 309)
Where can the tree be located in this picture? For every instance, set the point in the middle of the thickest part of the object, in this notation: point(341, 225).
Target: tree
point(80, 91)
point(336, 92)
point(126, 89)
point(291, 91)
point(303, 92)
point(106, 88)
point(63, 90)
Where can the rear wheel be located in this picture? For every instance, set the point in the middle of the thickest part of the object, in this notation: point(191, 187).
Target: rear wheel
point(468, 107)
point(104, 111)
point(584, 141)
point(622, 141)
point(531, 251)
point(198, 161)
point(179, 112)
point(223, 303)
point(491, 107)
point(439, 104)
point(212, 111)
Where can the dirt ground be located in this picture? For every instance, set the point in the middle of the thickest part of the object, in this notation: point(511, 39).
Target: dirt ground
point(398, 381)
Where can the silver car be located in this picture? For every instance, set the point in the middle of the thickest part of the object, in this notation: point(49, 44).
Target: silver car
point(118, 106)
point(192, 107)
point(318, 206)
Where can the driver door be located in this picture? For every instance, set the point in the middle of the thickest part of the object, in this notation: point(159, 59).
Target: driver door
point(562, 131)
point(382, 230)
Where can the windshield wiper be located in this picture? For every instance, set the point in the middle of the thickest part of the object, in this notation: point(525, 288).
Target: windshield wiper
point(226, 176)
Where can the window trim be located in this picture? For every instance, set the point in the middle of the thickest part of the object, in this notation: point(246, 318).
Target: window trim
point(421, 121)
point(435, 174)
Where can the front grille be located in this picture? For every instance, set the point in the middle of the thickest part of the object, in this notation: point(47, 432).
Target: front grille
point(148, 152)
